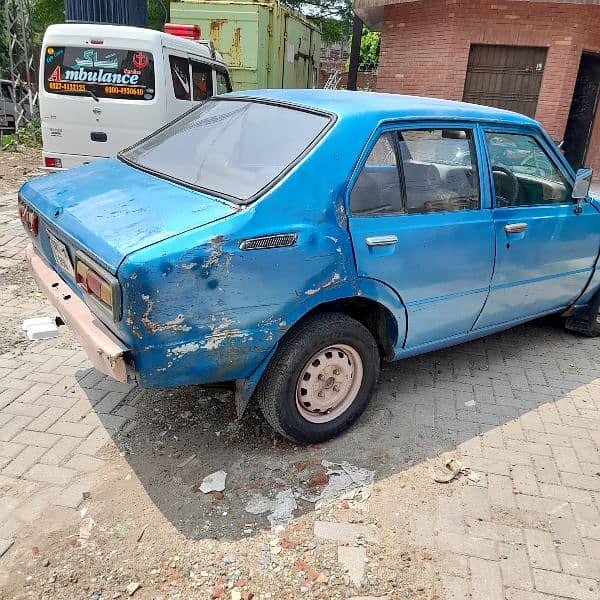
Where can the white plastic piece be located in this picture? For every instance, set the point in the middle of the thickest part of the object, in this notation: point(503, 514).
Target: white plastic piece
point(28, 323)
point(42, 332)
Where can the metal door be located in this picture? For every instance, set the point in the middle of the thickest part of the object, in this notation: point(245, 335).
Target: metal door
point(439, 263)
point(545, 249)
point(297, 68)
point(583, 110)
point(505, 77)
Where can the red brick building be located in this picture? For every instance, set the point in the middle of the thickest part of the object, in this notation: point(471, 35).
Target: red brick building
point(541, 58)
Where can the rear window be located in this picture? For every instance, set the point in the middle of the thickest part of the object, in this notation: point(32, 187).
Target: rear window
point(103, 72)
point(230, 148)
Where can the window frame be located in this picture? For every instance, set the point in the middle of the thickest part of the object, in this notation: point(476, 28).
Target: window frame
point(172, 55)
point(208, 70)
point(222, 71)
point(480, 155)
point(229, 199)
point(546, 145)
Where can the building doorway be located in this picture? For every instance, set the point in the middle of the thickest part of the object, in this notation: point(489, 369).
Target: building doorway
point(583, 110)
point(507, 77)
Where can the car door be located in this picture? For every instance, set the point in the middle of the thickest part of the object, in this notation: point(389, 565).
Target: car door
point(545, 248)
point(420, 222)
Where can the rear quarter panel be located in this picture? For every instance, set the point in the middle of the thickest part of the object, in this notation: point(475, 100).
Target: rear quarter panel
point(198, 309)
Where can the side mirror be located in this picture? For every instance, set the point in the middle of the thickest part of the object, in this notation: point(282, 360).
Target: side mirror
point(581, 186)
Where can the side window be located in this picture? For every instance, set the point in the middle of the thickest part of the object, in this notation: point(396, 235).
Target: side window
point(223, 83)
point(201, 81)
point(523, 173)
point(440, 170)
point(180, 75)
point(377, 188)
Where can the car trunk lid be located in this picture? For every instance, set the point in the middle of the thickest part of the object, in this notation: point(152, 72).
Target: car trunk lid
point(109, 209)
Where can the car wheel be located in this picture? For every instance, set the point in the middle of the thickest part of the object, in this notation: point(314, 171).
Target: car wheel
point(320, 379)
point(588, 322)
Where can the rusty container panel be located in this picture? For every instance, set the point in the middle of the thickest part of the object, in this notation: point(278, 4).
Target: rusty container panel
point(265, 44)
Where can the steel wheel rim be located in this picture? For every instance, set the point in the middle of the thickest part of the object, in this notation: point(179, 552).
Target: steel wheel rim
point(329, 383)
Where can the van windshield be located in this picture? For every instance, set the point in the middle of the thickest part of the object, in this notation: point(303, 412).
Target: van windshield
point(230, 148)
point(101, 72)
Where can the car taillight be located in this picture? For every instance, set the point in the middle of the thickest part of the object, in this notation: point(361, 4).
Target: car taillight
point(29, 217)
point(99, 284)
point(52, 163)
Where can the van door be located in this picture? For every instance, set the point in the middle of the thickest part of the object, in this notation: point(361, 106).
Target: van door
point(96, 101)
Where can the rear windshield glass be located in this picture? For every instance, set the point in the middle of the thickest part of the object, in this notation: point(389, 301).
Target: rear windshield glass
point(233, 148)
point(103, 72)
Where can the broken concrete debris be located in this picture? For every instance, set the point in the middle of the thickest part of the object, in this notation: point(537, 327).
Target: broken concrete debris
point(353, 559)
point(281, 508)
point(133, 587)
point(343, 478)
point(215, 482)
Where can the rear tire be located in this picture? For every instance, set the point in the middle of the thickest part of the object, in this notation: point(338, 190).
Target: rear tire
point(320, 379)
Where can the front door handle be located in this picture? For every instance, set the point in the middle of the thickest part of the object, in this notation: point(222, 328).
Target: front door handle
point(382, 240)
point(515, 227)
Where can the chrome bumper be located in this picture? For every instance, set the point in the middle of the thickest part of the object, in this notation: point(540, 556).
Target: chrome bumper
point(103, 349)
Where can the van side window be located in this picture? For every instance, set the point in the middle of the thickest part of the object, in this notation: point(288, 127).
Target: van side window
point(223, 83)
point(180, 74)
point(201, 81)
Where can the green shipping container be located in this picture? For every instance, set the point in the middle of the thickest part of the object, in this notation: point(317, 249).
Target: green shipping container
point(265, 44)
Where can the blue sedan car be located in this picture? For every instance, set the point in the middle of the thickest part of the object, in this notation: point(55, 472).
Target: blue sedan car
point(287, 241)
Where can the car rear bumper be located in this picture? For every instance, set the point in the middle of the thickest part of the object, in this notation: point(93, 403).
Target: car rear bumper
point(104, 350)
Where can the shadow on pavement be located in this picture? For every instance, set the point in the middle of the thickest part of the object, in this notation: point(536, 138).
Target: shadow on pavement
point(423, 406)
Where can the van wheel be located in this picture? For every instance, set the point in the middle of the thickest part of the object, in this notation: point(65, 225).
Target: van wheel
point(588, 322)
point(320, 379)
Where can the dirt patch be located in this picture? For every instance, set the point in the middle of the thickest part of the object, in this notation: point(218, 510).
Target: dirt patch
point(17, 166)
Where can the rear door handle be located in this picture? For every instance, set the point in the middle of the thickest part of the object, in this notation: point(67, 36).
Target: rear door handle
point(515, 227)
point(382, 240)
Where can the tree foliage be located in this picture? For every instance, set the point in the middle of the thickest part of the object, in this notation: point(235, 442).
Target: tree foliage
point(4, 66)
point(333, 16)
point(369, 49)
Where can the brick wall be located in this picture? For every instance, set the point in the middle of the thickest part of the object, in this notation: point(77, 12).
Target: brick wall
point(425, 49)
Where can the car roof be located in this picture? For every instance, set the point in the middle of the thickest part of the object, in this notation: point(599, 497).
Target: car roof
point(387, 106)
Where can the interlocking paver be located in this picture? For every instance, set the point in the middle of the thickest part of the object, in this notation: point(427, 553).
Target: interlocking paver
point(23, 461)
point(541, 550)
point(36, 438)
point(12, 427)
point(50, 474)
point(486, 580)
point(514, 564)
point(565, 585)
point(84, 463)
point(63, 448)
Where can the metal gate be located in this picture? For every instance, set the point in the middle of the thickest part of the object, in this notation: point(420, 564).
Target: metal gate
point(505, 77)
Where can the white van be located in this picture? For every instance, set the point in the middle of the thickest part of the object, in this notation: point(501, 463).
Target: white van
point(103, 87)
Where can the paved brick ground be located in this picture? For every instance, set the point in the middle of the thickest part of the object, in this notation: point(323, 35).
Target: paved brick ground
point(56, 413)
point(522, 409)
